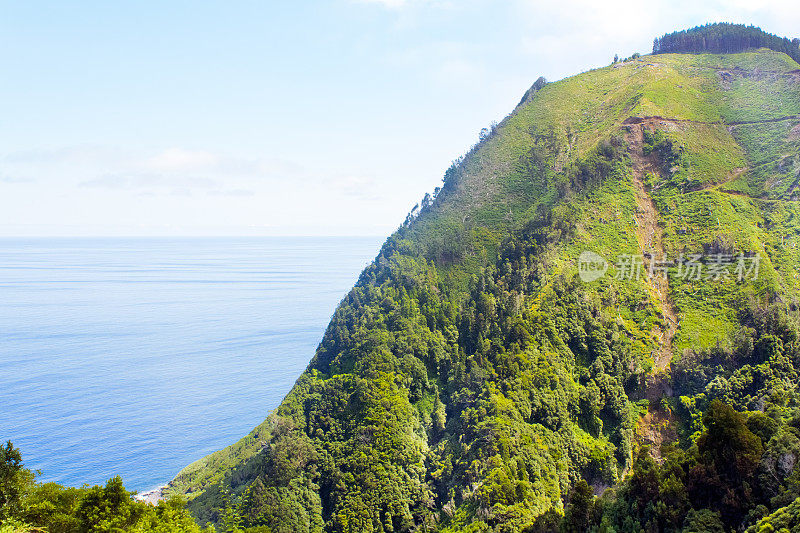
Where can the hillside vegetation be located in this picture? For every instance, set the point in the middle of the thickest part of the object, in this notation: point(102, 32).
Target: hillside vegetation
point(30, 506)
point(475, 379)
point(471, 381)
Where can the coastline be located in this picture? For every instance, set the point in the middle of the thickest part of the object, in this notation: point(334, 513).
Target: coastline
point(152, 496)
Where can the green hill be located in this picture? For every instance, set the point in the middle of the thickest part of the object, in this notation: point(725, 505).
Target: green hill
point(473, 381)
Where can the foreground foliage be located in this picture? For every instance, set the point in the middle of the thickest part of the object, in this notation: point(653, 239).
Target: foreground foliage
point(735, 475)
point(26, 505)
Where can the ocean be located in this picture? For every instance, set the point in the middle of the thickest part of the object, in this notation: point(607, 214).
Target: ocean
point(137, 356)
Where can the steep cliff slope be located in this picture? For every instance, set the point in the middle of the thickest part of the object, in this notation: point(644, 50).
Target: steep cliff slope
point(478, 370)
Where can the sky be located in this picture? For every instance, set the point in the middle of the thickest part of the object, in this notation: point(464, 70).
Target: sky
point(189, 118)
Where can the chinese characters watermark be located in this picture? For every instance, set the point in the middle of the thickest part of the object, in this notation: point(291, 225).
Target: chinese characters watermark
point(688, 267)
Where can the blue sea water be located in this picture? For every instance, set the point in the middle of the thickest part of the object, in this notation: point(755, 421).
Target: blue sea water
point(139, 356)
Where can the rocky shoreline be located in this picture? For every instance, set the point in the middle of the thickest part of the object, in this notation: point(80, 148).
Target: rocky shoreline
point(152, 496)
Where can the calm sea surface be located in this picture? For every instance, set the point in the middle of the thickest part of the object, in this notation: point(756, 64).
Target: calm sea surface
point(139, 356)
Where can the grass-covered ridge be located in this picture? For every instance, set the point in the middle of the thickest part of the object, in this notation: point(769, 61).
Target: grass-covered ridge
point(471, 381)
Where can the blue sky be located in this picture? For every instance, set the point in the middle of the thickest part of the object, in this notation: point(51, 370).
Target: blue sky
point(281, 118)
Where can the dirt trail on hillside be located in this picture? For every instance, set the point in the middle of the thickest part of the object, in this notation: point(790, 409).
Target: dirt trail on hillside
point(733, 176)
point(658, 120)
point(658, 425)
point(648, 233)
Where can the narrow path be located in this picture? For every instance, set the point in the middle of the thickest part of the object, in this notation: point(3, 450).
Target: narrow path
point(733, 176)
point(648, 233)
point(737, 172)
point(755, 72)
point(658, 425)
point(654, 120)
point(764, 121)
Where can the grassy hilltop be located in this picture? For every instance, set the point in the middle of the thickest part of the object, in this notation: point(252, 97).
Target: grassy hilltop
point(471, 381)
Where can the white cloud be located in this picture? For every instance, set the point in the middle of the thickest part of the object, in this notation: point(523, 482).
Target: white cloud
point(112, 168)
point(66, 155)
point(459, 70)
point(180, 160)
point(130, 181)
point(232, 192)
point(358, 187)
point(446, 63)
point(100, 190)
point(13, 179)
point(386, 3)
point(397, 4)
point(566, 31)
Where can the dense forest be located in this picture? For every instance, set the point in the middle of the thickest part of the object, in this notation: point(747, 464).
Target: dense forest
point(474, 380)
point(724, 38)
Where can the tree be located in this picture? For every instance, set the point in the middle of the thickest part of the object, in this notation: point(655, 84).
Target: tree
point(15, 481)
point(53, 507)
point(438, 416)
point(231, 519)
point(728, 455)
point(171, 516)
point(109, 509)
point(728, 443)
point(56, 509)
point(427, 200)
point(724, 38)
point(577, 515)
point(703, 521)
point(644, 483)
